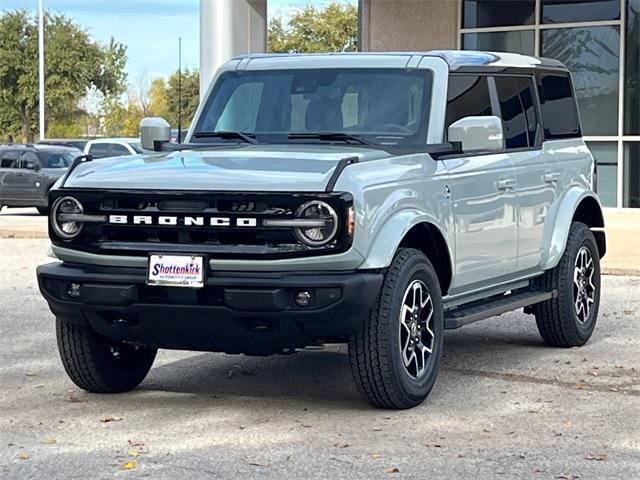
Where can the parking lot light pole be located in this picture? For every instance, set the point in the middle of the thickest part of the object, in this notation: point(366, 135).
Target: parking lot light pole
point(41, 65)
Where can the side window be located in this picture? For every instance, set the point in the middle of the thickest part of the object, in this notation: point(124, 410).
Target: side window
point(117, 149)
point(99, 150)
point(28, 157)
point(518, 111)
point(9, 159)
point(558, 105)
point(467, 95)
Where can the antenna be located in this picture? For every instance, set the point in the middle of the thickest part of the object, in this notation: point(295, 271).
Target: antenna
point(179, 89)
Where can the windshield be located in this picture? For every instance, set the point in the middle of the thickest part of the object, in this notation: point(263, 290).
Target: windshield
point(57, 159)
point(382, 106)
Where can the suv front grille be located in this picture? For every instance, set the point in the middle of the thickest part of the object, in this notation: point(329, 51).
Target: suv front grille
point(199, 236)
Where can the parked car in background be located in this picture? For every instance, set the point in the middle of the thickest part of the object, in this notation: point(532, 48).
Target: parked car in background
point(113, 147)
point(27, 172)
point(78, 143)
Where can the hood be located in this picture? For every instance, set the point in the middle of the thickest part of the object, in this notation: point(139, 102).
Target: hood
point(300, 168)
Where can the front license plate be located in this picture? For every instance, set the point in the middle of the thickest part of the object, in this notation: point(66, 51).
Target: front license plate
point(176, 270)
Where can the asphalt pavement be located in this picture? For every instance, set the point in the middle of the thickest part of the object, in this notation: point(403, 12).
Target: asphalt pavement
point(504, 406)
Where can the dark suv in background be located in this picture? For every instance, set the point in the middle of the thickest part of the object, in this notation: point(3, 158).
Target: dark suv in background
point(27, 172)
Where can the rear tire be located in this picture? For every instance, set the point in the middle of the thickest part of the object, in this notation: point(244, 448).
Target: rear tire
point(98, 364)
point(396, 354)
point(569, 319)
point(43, 210)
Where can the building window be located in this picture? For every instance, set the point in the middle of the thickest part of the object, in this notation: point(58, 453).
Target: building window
point(592, 55)
point(606, 157)
point(632, 70)
point(519, 42)
point(497, 13)
point(564, 11)
point(632, 174)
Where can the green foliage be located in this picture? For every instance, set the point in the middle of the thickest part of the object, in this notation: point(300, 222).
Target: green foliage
point(190, 97)
point(333, 28)
point(73, 64)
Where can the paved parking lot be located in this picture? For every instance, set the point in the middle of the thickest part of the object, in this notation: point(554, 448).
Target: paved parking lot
point(505, 406)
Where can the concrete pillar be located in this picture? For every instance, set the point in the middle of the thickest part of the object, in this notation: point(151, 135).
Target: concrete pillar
point(388, 25)
point(229, 28)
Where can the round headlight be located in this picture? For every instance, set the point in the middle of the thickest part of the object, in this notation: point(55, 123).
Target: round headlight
point(317, 236)
point(62, 225)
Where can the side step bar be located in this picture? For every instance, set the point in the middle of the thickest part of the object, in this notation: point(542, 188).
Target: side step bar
point(466, 314)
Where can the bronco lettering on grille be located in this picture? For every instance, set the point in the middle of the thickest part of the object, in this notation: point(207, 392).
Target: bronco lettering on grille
point(186, 221)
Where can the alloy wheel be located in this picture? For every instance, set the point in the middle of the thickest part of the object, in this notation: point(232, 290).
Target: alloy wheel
point(584, 290)
point(416, 328)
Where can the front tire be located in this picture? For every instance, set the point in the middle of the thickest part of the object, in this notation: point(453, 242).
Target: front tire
point(568, 320)
point(396, 354)
point(98, 364)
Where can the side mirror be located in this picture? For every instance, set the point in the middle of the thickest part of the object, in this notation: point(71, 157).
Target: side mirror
point(154, 131)
point(31, 165)
point(478, 134)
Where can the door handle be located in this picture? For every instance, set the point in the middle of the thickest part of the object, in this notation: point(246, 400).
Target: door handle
point(551, 177)
point(507, 183)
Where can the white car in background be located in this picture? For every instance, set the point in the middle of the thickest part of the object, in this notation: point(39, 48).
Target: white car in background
point(113, 147)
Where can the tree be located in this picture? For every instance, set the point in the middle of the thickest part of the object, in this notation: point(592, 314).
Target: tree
point(73, 64)
point(333, 28)
point(190, 97)
point(158, 98)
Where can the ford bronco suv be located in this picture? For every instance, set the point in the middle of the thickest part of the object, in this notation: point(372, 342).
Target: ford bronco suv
point(373, 199)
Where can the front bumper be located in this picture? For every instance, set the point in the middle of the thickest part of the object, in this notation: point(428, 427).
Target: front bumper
point(235, 312)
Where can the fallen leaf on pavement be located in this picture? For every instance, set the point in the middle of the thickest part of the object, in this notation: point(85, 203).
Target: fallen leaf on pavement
point(129, 465)
point(598, 457)
point(75, 399)
point(391, 470)
point(110, 419)
point(49, 441)
point(375, 455)
point(31, 374)
point(134, 453)
point(23, 456)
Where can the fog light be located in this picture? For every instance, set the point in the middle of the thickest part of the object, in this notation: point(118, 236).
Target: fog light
point(303, 298)
point(73, 290)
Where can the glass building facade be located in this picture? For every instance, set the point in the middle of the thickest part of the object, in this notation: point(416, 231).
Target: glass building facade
point(599, 40)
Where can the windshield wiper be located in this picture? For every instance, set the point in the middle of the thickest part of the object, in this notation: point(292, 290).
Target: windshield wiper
point(245, 137)
point(330, 136)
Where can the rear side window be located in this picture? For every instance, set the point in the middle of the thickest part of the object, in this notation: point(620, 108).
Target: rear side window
point(9, 159)
point(559, 110)
point(467, 96)
point(99, 150)
point(517, 106)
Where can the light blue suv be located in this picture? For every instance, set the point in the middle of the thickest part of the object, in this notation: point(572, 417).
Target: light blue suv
point(373, 199)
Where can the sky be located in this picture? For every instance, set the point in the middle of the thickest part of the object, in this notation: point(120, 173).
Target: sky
point(149, 28)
